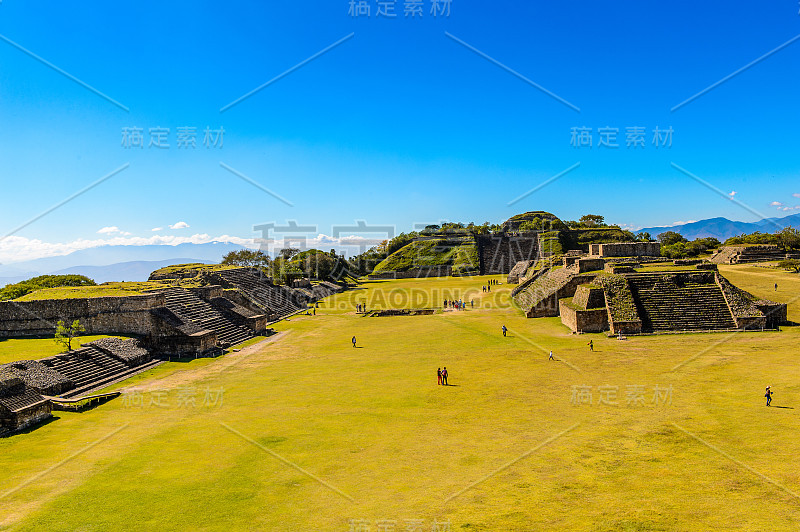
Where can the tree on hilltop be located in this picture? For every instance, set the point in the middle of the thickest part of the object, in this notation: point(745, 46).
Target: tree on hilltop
point(789, 238)
point(246, 258)
point(669, 238)
point(592, 220)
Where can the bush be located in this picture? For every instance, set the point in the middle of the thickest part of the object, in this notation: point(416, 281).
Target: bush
point(792, 265)
point(17, 290)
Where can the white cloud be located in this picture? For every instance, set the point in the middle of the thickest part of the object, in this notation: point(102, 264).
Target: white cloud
point(17, 248)
point(673, 224)
point(108, 230)
point(732, 194)
point(179, 225)
point(157, 229)
point(796, 195)
point(776, 204)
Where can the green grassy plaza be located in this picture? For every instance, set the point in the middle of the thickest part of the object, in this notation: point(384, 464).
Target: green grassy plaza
point(304, 432)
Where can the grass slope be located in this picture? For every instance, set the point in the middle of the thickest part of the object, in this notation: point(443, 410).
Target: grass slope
point(313, 433)
point(461, 254)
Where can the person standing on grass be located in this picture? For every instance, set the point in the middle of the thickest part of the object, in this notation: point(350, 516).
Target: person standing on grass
point(591, 345)
point(439, 375)
point(776, 287)
point(551, 355)
point(354, 341)
point(768, 395)
point(444, 376)
point(505, 330)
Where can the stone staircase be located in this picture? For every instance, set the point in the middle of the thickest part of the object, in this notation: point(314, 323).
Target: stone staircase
point(543, 287)
point(89, 368)
point(278, 300)
point(684, 306)
point(746, 254)
point(192, 308)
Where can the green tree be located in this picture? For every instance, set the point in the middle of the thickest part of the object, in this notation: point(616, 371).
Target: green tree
point(789, 238)
point(669, 238)
point(65, 334)
point(592, 220)
point(288, 253)
point(247, 258)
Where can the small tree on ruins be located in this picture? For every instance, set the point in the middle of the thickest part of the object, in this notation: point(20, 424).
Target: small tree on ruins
point(65, 334)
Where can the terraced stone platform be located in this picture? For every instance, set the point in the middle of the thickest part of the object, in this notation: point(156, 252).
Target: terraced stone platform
point(278, 300)
point(190, 307)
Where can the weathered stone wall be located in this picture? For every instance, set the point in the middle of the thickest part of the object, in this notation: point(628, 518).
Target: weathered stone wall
point(16, 421)
point(611, 267)
point(775, 313)
point(590, 265)
point(206, 293)
point(626, 249)
point(548, 305)
point(99, 315)
point(589, 297)
point(500, 252)
point(595, 320)
point(256, 322)
point(241, 299)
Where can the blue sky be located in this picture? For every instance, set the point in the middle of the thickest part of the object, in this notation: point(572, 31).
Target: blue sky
point(400, 124)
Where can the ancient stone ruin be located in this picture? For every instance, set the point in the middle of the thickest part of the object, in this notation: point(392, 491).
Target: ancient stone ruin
point(749, 253)
point(626, 249)
point(625, 300)
point(173, 321)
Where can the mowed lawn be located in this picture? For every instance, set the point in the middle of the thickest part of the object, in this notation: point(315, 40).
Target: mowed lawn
point(305, 432)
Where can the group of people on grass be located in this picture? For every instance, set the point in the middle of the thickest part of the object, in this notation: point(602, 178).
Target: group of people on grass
point(488, 288)
point(442, 375)
point(361, 307)
point(457, 304)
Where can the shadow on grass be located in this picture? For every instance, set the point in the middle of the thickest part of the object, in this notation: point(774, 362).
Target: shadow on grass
point(789, 407)
point(28, 430)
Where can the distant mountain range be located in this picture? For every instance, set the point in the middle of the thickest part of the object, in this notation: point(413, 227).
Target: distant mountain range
point(722, 228)
point(116, 263)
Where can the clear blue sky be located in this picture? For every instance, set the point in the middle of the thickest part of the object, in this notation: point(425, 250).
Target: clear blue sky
point(398, 125)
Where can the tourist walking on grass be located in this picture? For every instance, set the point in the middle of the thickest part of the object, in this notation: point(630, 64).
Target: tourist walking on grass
point(768, 395)
point(551, 355)
point(444, 376)
point(354, 341)
point(439, 375)
point(505, 330)
point(591, 345)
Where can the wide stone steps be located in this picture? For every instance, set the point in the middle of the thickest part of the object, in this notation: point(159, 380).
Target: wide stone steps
point(86, 366)
point(192, 308)
point(278, 299)
point(699, 307)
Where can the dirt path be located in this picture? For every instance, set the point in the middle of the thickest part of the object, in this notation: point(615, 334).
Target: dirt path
point(182, 377)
